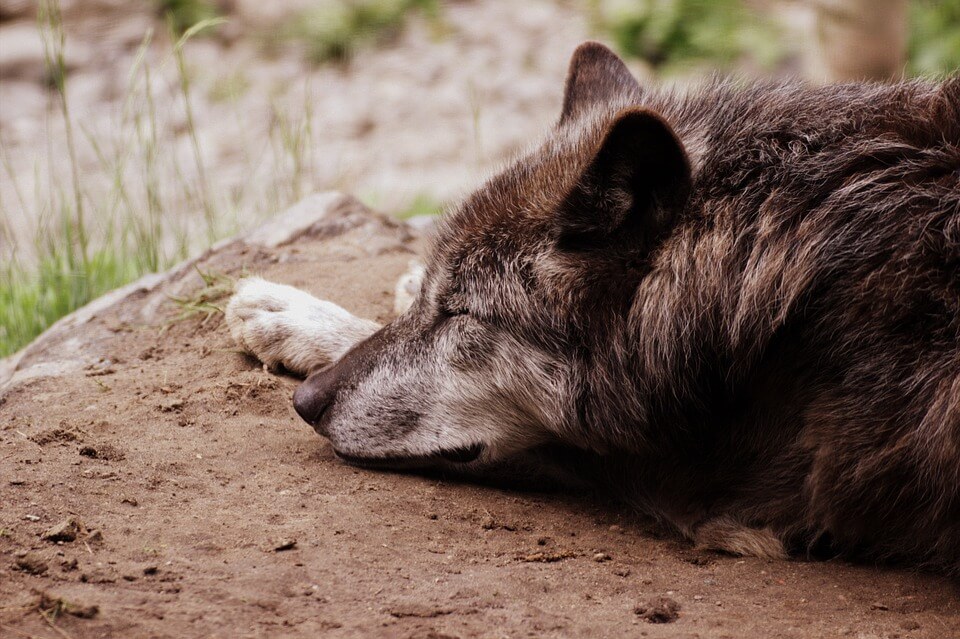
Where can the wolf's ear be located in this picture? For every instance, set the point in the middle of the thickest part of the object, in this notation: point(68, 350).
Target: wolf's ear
point(633, 187)
point(596, 75)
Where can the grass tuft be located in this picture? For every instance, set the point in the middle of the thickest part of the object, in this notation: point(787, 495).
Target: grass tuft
point(30, 301)
point(205, 301)
point(934, 37)
point(184, 14)
point(333, 31)
point(51, 607)
point(422, 204)
point(676, 33)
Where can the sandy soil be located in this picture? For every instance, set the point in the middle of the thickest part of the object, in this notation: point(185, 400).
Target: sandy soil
point(205, 507)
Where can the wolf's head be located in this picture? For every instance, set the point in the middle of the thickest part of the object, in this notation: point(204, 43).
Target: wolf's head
point(529, 280)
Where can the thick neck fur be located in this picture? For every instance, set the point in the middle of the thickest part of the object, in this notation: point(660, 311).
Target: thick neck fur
point(793, 212)
point(805, 308)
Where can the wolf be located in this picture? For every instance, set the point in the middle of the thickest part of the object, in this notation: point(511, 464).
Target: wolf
point(736, 307)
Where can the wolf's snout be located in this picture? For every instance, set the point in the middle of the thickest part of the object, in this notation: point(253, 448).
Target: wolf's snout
point(314, 396)
point(318, 392)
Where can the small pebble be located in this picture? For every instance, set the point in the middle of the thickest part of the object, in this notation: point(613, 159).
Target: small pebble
point(31, 564)
point(286, 544)
point(66, 530)
point(658, 610)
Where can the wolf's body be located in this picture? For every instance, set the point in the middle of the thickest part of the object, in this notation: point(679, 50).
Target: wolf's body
point(739, 308)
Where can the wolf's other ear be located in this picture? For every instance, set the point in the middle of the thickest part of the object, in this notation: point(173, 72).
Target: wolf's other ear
point(596, 75)
point(632, 189)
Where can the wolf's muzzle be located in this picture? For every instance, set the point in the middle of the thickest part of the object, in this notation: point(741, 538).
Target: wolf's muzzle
point(314, 397)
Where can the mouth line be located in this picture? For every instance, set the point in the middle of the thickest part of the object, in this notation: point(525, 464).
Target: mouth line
point(318, 422)
point(319, 418)
point(460, 455)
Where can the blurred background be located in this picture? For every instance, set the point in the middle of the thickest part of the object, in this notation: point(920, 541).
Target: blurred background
point(134, 133)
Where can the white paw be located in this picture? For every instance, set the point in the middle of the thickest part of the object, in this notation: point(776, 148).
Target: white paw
point(408, 287)
point(284, 326)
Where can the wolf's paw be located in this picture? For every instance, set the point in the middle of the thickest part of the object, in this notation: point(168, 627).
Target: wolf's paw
point(284, 326)
point(728, 535)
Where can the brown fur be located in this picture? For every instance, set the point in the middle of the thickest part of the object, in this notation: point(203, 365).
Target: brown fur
point(739, 307)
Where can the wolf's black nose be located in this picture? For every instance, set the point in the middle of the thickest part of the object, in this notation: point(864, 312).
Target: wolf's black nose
point(314, 397)
point(319, 391)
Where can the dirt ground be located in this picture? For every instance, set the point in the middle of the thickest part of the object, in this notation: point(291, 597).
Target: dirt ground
point(205, 508)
